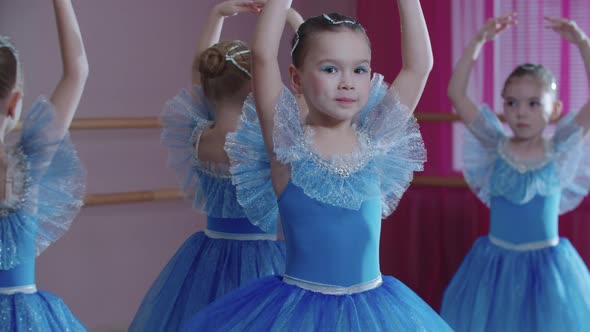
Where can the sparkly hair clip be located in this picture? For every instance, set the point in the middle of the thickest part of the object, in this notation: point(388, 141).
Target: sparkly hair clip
point(232, 58)
point(334, 22)
point(296, 43)
point(327, 18)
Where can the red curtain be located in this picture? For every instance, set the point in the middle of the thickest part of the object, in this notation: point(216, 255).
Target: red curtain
point(381, 20)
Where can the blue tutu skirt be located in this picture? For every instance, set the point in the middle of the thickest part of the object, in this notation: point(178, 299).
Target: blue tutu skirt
point(39, 311)
point(202, 270)
point(269, 304)
point(496, 289)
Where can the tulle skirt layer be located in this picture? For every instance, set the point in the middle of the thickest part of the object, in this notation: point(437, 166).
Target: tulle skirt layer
point(497, 289)
point(202, 270)
point(39, 311)
point(269, 304)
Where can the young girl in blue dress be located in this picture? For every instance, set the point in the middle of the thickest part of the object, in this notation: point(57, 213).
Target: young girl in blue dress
point(41, 181)
point(522, 276)
point(232, 250)
point(337, 172)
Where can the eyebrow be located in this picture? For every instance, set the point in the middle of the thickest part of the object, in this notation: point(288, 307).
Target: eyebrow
point(365, 61)
point(528, 98)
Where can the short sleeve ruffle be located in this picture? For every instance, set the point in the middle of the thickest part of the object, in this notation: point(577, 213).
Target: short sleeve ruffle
point(563, 169)
point(573, 162)
point(480, 152)
point(391, 149)
point(250, 169)
point(398, 148)
point(208, 185)
point(54, 185)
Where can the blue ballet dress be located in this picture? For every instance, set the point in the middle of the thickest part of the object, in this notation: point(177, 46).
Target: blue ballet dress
point(522, 276)
point(230, 252)
point(331, 213)
point(45, 187)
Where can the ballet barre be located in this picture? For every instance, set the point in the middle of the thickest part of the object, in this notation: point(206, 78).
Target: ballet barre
point(175, 194)
point(132, 197)
point(154, 122)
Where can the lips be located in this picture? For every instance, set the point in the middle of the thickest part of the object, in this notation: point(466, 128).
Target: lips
point(346, 100)
point(522, 125)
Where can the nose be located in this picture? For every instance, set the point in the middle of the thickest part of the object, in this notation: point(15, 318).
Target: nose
point(346, 82)
point(520, 110)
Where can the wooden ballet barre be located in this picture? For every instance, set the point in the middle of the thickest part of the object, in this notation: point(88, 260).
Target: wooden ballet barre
point(154, 122)
point(116, 123)
point(175, 194)
point(436, 117)
point(439, 181)
point(132, 197)
point(113, 123)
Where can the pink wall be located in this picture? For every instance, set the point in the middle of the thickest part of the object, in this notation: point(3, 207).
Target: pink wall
point(140, 52)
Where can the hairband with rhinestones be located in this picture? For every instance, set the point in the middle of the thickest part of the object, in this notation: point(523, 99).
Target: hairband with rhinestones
point(327, 18)
point(232, 58)
point(296, 42)
point(334, 22)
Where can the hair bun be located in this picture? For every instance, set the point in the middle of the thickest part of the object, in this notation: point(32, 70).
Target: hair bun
point(212, 62)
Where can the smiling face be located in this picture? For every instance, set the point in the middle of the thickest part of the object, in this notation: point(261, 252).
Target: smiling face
point(335, 75)
point(528, 106)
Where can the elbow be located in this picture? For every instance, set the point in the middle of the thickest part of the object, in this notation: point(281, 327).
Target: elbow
point(428, 64)
point(422, 69)
point(83, 70)
point(78, 70)
point(261, 56)
point(452, 94)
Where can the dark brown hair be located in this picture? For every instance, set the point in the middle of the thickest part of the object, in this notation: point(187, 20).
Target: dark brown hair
point(321, 23)
point(8, 71)
point(220, 77)
point(536, 71)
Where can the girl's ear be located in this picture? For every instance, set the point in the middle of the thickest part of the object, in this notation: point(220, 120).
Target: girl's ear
point(13, 103)
point(556, 111)
point(295, 79)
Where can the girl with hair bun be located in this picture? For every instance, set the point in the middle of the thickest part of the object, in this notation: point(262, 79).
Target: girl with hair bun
point(238, 245)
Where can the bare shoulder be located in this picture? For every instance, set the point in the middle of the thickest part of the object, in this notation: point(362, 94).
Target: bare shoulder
point(211, 147)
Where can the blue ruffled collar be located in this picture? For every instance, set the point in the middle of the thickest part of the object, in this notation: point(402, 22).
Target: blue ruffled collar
point(525, 166)
point(343, 164)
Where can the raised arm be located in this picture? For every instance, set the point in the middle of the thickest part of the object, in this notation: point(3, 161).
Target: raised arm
point(266, 73)
point(457, 89)
point(69, 89)
point(416, 53)
point(212, 30)
point(570, 31)
point(294, 19)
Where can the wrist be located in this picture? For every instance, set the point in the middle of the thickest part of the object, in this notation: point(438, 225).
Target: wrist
point(217, 12)
point(584, 43)
point(478, 40)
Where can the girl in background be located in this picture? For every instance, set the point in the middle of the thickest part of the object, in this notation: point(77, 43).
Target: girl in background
point(41, 180)
point(232, 250)
point(522, 276)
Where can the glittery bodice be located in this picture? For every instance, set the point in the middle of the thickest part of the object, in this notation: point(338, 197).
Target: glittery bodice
point(46, 183)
